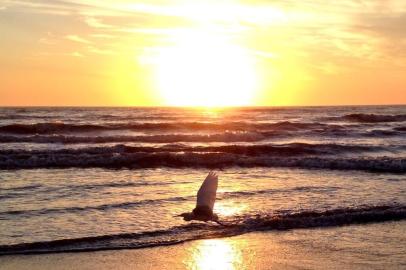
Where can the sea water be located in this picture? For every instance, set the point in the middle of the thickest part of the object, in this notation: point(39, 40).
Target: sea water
point(75, 179)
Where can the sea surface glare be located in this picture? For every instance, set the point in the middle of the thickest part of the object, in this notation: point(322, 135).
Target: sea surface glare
point(74, 179)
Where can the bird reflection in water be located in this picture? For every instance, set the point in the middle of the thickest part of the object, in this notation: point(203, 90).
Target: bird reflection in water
point(215, 254)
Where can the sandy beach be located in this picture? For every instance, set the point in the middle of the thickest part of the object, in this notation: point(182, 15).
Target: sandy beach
point(373, 246)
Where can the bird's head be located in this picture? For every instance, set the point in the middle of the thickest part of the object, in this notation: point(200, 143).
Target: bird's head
point(187, 216)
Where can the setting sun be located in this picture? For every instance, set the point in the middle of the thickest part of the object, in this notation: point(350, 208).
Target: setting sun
point(204, 69)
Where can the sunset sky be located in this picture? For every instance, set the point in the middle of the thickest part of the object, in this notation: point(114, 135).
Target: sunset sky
point(136, 53)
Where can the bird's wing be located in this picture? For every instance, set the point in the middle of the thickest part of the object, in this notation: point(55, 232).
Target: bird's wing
point(206, 196)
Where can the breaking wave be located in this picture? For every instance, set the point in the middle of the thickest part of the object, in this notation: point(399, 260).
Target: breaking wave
point(227, 136)
point(257, 149)
point(300, 155)
point(232, 226)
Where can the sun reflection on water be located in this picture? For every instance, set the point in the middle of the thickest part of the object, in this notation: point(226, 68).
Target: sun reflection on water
point(230, 208)
point(215, 254)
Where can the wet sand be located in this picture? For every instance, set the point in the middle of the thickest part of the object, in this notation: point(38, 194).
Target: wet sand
point(373, 246)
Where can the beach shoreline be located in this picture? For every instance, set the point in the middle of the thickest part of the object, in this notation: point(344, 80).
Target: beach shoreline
point(372, 246)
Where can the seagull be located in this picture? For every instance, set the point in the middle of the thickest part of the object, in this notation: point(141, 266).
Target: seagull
point(206, 197)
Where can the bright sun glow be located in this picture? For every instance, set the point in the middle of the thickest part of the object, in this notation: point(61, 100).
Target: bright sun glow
point(204, 69)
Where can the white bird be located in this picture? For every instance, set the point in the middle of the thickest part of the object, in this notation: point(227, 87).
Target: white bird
point(206, 197)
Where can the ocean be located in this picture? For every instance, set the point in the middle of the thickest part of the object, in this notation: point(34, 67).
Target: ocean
point(82, 179)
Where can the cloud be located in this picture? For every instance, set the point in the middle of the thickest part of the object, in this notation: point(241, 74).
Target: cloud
point(77, 39)
point(102, 36)
point(367, 30)
point(96, 23)
point(77, 54)
point(93, 49)
point(46, 41)
point(44, 7)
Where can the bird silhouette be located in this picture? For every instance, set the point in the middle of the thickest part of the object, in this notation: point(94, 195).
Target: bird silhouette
point(206, 197)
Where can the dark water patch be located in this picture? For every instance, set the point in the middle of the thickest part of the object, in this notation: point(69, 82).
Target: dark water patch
point(50, 127)
point(370, 118)
point(382, 133)
point(19, 191)
point(123, 185)
point(78, 209)
point(233, 226)
point(400, 128)
point(28, 116)
point(161, 138)
point(71, 190)
point(301, 189)
point(59, 127)
point(22, 188)
point(396, 179)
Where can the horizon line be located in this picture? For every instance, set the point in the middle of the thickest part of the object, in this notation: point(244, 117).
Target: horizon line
point(194, 107)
